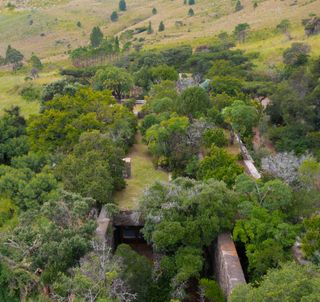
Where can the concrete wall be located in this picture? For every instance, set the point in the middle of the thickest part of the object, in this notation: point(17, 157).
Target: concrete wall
point(227, 265)
point(104, 232)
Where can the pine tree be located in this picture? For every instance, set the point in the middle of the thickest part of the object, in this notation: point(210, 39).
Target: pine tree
point(96, 36)
point(191, 2)
point(161, 26)
point(190, 12)
point(122, 5)
point(149, 30)
point(238, 6)
point(114, 16)
point(154, 11)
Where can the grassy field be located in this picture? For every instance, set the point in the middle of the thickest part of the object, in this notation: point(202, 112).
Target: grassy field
point(10, 85)
point(143, 175)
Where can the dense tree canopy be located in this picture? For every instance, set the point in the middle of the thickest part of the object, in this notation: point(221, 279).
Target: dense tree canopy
point(220, 165)
point(94, 168)
point(193, 102)
point(182, 217)
point(13, 139)
point(65, 118)
point(242, 117)
point(37, 250)
point(115, 79)
point(291, 282)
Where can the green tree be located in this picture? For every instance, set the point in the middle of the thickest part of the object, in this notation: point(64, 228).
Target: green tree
point(190, 12)
point(163, 73)
point(226, 85)
point(191, 2)
point(168, 143)
point(136, 271)
point(116, 44)
point(309, 174)
point(284, 27)
point(193, 102)
point(35, 62)
point(13, 139)
point(211, 290)
point(215, 137)
point(118, 80)
point(274, 285)
point(65, 118)
point(241, 31)
point(149, 30)
point(311, 238)
point(267, 238)
point(192, 214)
point(122, 5)
point(273, 195)
point(241, 117)
point(164, 89)
point(114, 16)
point(154, 11)
point(219, 165)
point(14, 57)
point(8, 213)
point(296, 55)
point(25, 188)
point(96, 37)
point(238, 6)
point(161, 26)
point(94, 168)
point(52, 243)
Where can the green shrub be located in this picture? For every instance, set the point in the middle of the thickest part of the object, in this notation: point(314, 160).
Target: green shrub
point(215, 137)
point(30, 93)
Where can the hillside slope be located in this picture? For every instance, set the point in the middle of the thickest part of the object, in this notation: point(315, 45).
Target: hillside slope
point(49, 28)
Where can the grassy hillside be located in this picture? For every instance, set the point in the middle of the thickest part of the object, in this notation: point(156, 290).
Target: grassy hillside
point(49, 27)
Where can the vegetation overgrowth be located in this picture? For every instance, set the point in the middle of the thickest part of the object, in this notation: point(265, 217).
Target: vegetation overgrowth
point(61, 159)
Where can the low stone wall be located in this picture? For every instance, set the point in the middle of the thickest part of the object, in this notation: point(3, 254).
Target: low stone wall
point(227, 265)
point(247, 160)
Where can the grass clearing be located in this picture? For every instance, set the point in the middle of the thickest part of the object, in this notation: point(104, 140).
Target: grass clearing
point(9, 91)
point(143, 175)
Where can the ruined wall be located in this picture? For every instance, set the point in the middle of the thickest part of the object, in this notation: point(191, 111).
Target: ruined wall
point(104, 231)
point(227, 265)
point(247, 160)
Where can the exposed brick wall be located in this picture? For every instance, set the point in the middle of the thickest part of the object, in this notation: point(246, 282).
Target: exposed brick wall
point(228, 269)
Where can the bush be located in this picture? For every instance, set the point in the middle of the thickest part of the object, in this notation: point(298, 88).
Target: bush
point(30, 93)
point(215, 137)
point(211, 289)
